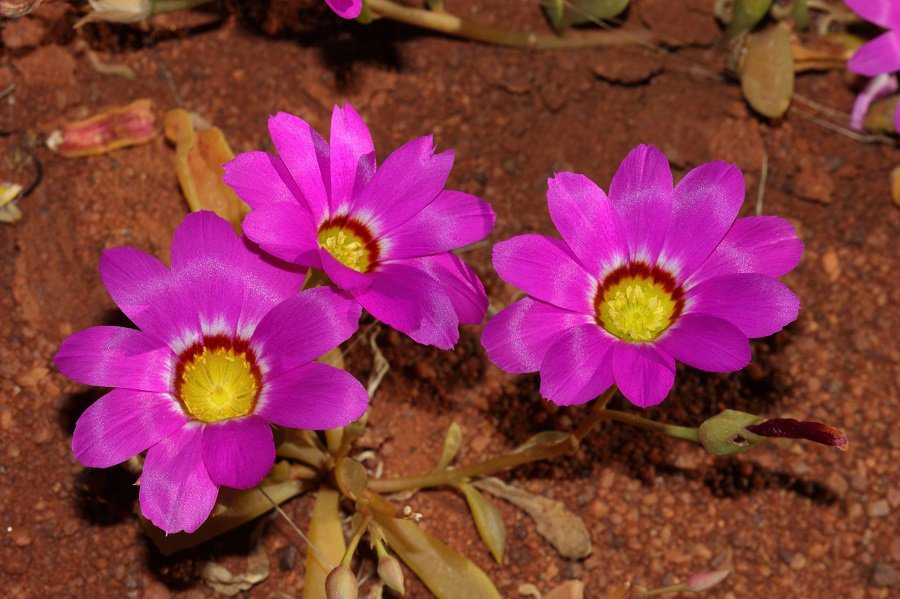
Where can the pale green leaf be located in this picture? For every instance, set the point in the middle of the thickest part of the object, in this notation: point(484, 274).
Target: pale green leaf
point(326, 534)
point(452, 442)
point(488, 520)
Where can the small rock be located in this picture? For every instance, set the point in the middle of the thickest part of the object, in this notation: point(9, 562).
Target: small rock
point(838, 484)
point(814, 183)
point(884, 575)
point(798, 561)
point(6, 419)
point(287, 557)
point(831, 265)
point(156, 590)
point(21, 538)
point(31, 377)
point(878, 509)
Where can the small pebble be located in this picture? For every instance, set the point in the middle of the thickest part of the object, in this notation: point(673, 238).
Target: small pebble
point(878, 509)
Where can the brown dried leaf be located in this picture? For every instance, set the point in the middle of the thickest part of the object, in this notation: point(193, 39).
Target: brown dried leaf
point(225, 583)
point(199, 156)
point(109, 130)
point(767, 70)
point(555, 522)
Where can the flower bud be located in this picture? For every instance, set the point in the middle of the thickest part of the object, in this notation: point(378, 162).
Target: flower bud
point(341, 584)
point(726, 432)
point(390, 573)
point(703, 581)
point(801, 429)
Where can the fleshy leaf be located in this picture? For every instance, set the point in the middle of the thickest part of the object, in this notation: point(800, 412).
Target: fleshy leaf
point(452, 443)
point(575, 12)
point(351, 477)
point(245, 506)
point(746, 14)
point(543, 438)
point(726, 432)
point(446, 573)
point(327, 534)
point(199, 156)
point(767, 70)
point(488, 521)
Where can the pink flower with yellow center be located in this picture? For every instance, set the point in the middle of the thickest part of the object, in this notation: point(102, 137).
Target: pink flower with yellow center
point(383, 235)
point(651, 274)
point(224, 350)
point(879, 58)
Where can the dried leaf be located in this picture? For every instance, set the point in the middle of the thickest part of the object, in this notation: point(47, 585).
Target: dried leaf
point(447, 573)
point(224, 582)
point(109, 130)
point(767, 70)
point(619, 592)
point(488, 521)
point(554, 521)
point(12, 9)
point(880, 118)
point(543, 438)
point(570, 589)
point(199, 156)
point(244, 506)
point(380, 366)
point(326, 533)
point(9, 211)
point(452, 443)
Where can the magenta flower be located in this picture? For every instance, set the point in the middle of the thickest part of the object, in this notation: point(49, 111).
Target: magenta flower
point(877, 57)
point(348, 9)
point(224, 350)
point(382, 235)
point(649, 275)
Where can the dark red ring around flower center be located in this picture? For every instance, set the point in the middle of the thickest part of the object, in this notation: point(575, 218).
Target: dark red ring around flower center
point(355, 227)
point(212, 343)
point(643, 271)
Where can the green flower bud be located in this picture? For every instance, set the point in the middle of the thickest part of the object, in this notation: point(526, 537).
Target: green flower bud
point(390, 573)
point(726, 432)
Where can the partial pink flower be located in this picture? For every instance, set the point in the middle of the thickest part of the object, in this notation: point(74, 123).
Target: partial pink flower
point(880, 56)
point(651, 274)
point(224, 350)
point(384, 235)
point(348, 9)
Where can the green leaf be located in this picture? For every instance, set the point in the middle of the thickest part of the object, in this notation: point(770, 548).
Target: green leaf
point(447, 573)
point(326, 533)
point(488, 520)
point(543, 438)
point(563, 14)
point(452, 442)
point(243, 507)
point(746, 14)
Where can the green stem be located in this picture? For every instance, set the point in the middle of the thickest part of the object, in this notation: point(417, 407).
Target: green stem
point(354, 541)
point(567, 446)
point(679, 432)
point(453, 25)
point(161, 6)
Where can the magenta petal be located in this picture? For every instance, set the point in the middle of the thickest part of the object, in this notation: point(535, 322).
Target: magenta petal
point(642, 373)
point(206, 257)
point(259, 179)
point(459, 282)
point(122, 424)
point(760, 244)
point(286, 231)
point(148, 294)
point(756, 304)
point(706, 202)
point(303, 328)
point(410, 301)
point(576, 367)
point(348, 9)
point(641, 194)
point(707, 343)
point(305, 154)
point(267, 282)
point(881, 55)
point(238, 453)
point(314, 396)
point(545, 269)
point(881, 12)
point(341, 275)
point(517, 338)
point(352, 154)
point(117, 357)
point(454, 219)
point(177, 493)
point(587, 222)
point(410, 179)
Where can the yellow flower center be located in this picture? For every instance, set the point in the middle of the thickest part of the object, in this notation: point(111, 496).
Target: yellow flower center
point(347, 247)
point(218, 383)
point(636, 304)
